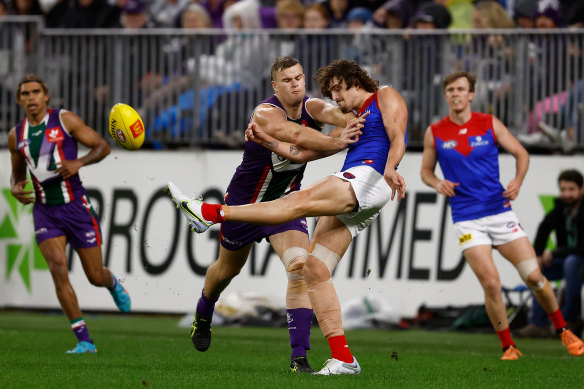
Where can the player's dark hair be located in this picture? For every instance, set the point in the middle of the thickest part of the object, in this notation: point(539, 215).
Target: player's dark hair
point(572, 175)
point(347, 71)
point(30, 77)
point(282, 63)
point(471, 78)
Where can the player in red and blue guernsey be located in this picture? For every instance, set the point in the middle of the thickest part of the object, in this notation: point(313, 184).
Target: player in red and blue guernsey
point(263, 176)
point(464, 143)
point(46, 142)
point(347, 201)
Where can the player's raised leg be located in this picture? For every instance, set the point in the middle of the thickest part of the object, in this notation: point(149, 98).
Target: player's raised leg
point(329, 196)
point(330, 232)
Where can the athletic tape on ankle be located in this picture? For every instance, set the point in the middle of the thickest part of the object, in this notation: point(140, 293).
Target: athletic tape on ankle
point(328, 257)
point(525, 268)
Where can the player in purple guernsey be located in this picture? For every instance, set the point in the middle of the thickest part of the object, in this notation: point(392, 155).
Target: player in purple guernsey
point(347, 201)
point(45, 142)
point(262, 176)
point(464, 143)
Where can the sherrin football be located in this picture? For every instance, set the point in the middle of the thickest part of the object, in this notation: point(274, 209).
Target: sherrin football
point(126, 127)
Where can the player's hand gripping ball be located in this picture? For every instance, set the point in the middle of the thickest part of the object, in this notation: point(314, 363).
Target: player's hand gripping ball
point(126, 127)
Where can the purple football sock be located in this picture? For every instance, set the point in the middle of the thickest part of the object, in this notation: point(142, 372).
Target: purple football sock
point(80, 330)
point(299, 326)
point(205, 306)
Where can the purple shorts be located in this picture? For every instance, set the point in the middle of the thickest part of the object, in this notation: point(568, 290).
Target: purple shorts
point(235, 235)
point(76, 220)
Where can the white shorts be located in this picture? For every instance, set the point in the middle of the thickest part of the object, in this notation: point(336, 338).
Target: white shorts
point(492, 230)
point(372, 192)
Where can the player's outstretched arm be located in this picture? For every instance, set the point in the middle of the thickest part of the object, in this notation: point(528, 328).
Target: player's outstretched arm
point(513, 147)
point(18, 177)
point(291, 151)
point(273, 122)
point(427, 172)
point(87, 136)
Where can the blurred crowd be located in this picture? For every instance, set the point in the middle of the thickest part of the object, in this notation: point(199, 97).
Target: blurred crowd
point(292, 14)
point(228, 70)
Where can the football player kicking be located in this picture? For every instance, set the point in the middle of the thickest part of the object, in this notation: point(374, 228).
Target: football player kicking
point(465, 145)
point(347, 201)
point(263, 176)
point(46, 141)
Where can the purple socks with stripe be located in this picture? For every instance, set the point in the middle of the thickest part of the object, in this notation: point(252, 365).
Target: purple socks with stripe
point(299, 327)
point(80, 330)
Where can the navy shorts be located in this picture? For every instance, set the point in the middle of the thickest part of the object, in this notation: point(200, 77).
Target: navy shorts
point(235, 235)
point(76, 220)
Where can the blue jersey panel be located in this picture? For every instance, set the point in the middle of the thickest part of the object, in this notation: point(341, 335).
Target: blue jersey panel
point(468, 155)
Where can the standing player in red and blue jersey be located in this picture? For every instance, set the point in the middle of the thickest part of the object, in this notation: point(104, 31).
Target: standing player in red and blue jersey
point(464, 143)
point(46, 141)
point(263, 176)
point(347, 201)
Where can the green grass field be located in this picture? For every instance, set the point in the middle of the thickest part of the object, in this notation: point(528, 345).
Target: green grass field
point(140, 351)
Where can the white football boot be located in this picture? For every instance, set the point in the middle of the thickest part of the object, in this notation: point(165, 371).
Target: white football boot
point(189, 207)
point(334, 367)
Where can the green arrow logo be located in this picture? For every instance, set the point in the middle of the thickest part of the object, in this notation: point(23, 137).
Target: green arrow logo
point(547, 202)
point(22, 252)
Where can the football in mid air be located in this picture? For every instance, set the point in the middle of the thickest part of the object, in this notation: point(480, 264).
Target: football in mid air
point(126, 127)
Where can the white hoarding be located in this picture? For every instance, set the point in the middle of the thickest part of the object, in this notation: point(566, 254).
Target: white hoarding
point(409, 256)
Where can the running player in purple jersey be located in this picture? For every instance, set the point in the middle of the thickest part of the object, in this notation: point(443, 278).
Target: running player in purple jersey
point(347, 201)
point(465, 145)
point(263, 176)
point(46, 142)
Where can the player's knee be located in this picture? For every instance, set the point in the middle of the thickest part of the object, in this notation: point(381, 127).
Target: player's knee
point(535, 281)
point(326, 256)
point(293, 260)
point(313, 268)
point(492, 286)
point(529, 272)
point(58, 269)
point(296, 203)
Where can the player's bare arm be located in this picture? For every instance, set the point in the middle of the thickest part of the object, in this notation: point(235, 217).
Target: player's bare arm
point(18, 177)
point(87, 136)
point(513, 147)
point(273, 122)
point(328, 113)
point(293, 152)
point(427, 172)
point(395, 120)
point(324, 112)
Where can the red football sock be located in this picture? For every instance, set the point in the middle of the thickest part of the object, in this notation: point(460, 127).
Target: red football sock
point(340, 349)
point(505, 337)
point(213, 212)
point(557, 320)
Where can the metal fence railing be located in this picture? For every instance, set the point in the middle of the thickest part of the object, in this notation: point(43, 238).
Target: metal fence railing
point(199, 87)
